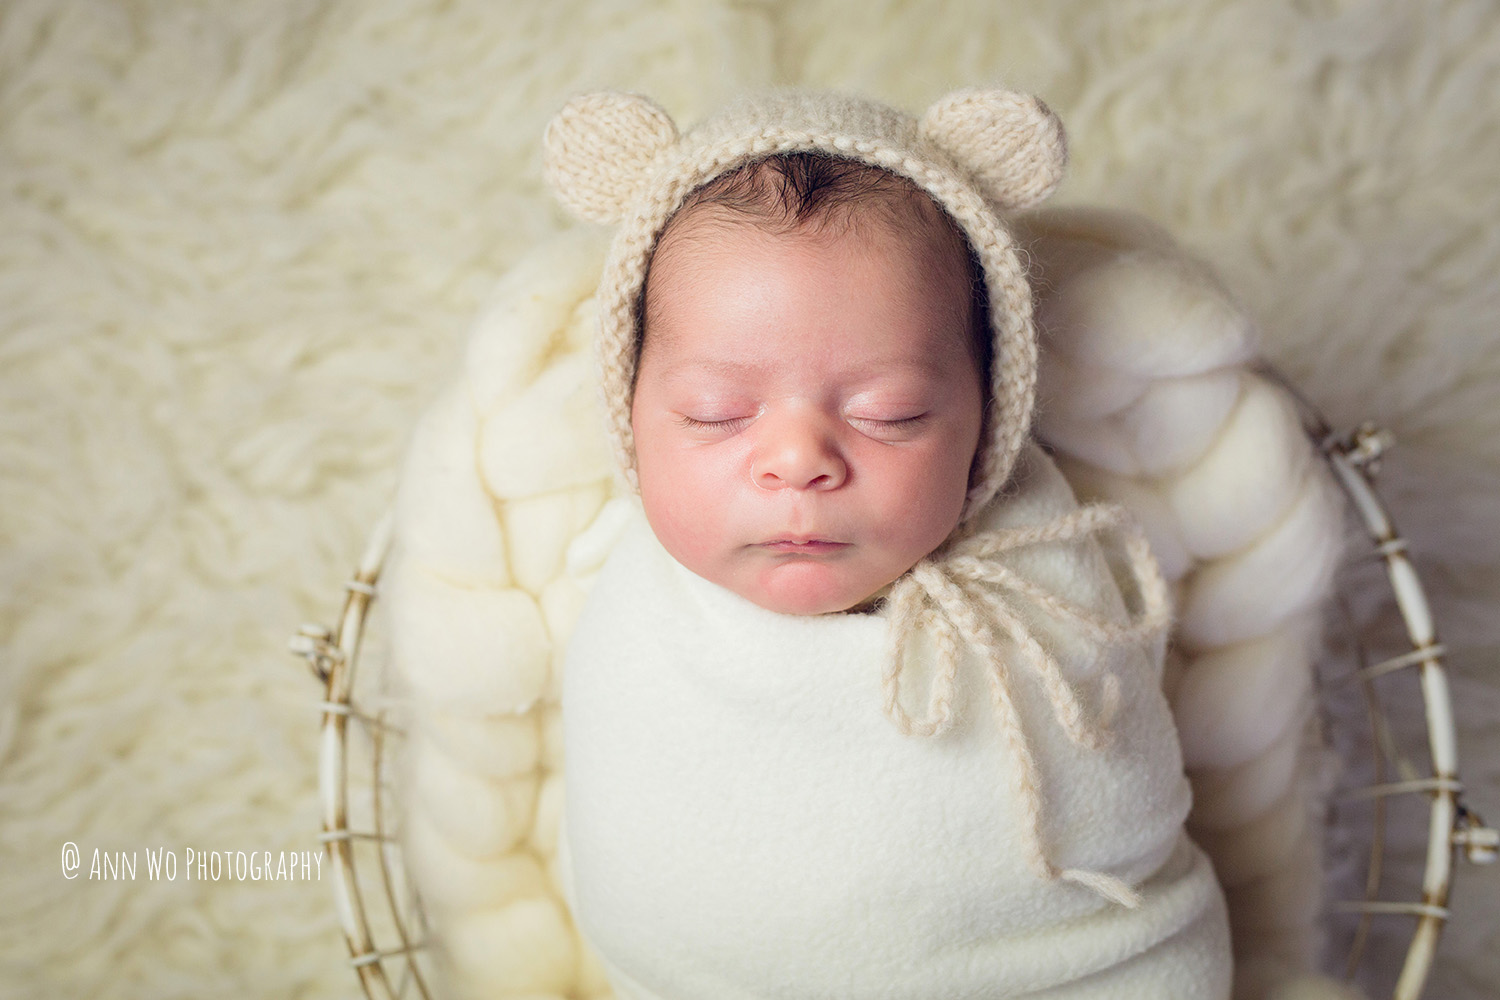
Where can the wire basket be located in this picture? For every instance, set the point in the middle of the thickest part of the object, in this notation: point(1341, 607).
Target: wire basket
point(1394, 786)
point(379, 910)
point(1403, 788)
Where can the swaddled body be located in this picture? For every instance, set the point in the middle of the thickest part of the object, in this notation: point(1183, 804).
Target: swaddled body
point(856, 709)
point(743, 821)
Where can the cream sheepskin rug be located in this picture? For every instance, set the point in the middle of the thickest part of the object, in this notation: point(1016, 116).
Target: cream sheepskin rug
point(241, 244)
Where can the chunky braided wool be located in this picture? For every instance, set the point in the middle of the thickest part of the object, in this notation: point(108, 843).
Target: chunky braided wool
point(616, 157)
point(956, 590)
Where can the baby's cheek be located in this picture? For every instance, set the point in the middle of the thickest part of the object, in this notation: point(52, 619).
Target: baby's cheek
point(683, 510)
point(922, 505)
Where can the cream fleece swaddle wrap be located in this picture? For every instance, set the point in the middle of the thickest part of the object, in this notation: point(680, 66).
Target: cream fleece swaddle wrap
point(743, 820)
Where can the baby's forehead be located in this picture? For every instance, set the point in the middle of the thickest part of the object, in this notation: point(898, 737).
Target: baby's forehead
point(861, 212)
point(867, 317)
point(911, 231)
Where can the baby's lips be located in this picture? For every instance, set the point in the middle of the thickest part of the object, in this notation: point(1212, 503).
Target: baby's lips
point(800, 544)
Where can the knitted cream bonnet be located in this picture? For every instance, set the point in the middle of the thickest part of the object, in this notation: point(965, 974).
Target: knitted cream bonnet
point(619, 158)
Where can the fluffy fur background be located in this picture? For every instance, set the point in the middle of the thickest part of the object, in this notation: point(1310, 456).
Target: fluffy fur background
point(240, 244)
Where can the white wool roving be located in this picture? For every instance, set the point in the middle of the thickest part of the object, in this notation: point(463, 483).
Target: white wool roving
point(504, 473)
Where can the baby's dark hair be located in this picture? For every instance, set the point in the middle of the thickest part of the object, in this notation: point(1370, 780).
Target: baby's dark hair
point(818, 191)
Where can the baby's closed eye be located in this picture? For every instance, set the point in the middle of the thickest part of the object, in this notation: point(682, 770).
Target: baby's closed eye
point(714, 423)
point(891, 417)
point(886, 426)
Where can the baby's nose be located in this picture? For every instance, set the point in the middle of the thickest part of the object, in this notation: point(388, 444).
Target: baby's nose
point(798, 453)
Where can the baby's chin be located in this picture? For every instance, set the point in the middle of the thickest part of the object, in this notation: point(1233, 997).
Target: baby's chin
point(807, 587)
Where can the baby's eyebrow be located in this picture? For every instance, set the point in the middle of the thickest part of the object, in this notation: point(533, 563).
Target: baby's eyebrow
point(687, 368)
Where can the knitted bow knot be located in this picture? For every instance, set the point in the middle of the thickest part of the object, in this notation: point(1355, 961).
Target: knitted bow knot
point(949, 594)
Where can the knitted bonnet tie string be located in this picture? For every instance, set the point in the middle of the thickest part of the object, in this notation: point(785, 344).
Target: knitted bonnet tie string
point(963, 594)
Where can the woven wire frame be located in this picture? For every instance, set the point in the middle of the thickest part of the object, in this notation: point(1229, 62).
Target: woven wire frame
point(379, 911)
point(1398, 795)
point(387, 936)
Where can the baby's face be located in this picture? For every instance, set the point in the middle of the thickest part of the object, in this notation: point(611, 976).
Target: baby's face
point(806, 409)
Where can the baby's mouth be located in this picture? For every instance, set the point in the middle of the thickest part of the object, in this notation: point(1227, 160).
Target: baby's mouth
point(804, 546)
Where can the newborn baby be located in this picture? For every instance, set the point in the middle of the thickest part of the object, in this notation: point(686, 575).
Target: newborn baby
point(856, 708)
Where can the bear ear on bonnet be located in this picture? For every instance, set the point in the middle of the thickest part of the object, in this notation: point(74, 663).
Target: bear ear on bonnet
point(1011, 143)
point(599, 149)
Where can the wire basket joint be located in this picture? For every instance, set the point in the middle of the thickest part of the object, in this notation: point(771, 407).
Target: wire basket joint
point(315, 644)
point(1366, 446)
point(1480, 843)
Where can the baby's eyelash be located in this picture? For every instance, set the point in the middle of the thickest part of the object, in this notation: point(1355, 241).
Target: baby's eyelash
point(895, 424)
point(693, 424)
